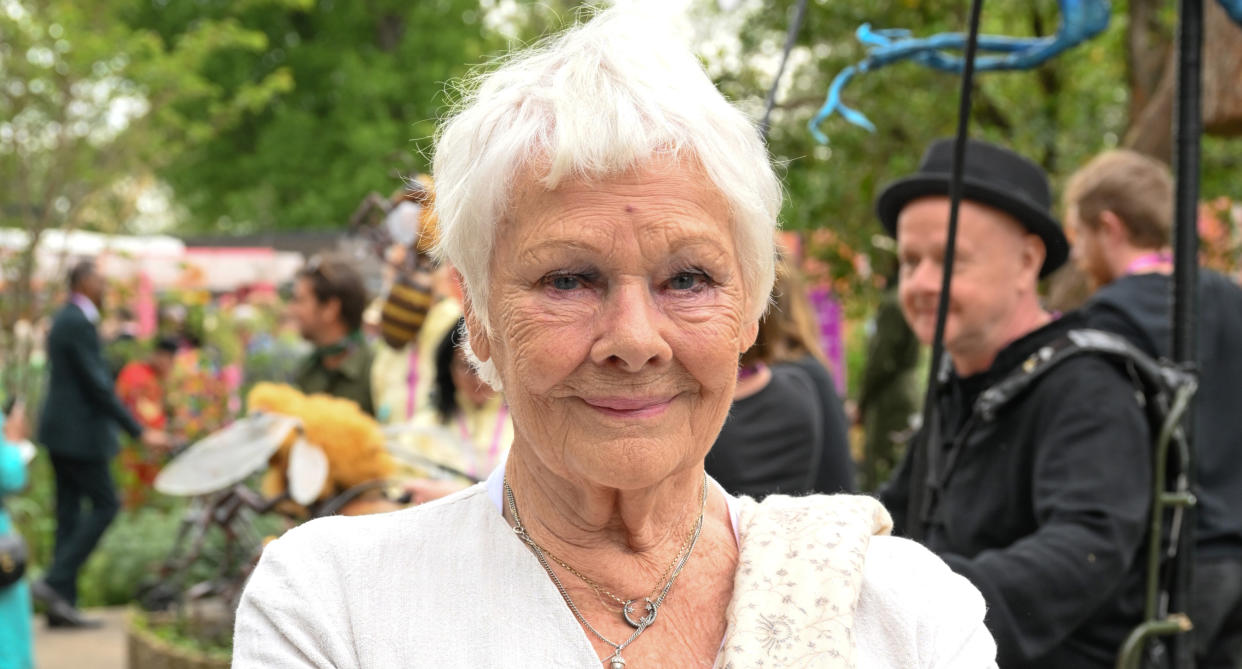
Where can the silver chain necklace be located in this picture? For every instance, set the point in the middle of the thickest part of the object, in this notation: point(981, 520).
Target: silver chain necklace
point(615, 661)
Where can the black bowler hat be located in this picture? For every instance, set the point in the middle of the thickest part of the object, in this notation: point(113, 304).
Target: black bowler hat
point(993, 176)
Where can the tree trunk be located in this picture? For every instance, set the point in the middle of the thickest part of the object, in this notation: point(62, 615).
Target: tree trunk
point(1151, 131)
point(1222, 73)
point(1148, 45)
point(14, 353)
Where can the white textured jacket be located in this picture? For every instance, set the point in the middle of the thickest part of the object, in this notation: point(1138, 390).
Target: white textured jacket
point(449, 585)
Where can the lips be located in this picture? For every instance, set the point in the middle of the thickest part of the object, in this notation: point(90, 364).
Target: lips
point(629, 407)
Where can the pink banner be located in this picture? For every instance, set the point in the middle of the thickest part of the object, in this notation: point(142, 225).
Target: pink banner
point(144, 306)
point(831, 333)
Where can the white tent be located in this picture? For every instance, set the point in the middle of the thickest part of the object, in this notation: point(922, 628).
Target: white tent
point(161, 259)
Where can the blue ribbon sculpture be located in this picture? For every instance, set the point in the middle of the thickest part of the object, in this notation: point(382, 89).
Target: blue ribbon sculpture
point(1081, 20)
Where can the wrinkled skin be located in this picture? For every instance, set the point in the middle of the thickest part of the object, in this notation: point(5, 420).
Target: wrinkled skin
point(617, 317)
point(618, 314)
point(995, 272)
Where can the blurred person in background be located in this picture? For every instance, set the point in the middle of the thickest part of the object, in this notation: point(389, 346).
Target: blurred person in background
point(888, 398)
point(798, 344)
point(1119, 210)
point(141, 388)
point(417, 313)
point(78, 427)
point(121, 338)
point(174, 323)
point(15, 618)
point(371, 323)
point(786, 431)
point(471, 410)
point(328, 300)
point(403, 376)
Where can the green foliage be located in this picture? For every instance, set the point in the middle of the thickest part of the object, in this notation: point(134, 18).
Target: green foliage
point(79, 82)
point(140, 540)
point(1059, 114)
point(180, 633)
point(129, 554)
point(34, 512)
point(136, 542)
point(134, 546)
point(90, 106)
point(326, 101)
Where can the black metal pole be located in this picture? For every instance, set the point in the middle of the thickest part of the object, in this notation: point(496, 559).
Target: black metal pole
point(931, 451)
point(1188, 128)
point(791, 36)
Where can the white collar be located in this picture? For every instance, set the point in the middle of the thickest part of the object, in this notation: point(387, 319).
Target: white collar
point(87, 306)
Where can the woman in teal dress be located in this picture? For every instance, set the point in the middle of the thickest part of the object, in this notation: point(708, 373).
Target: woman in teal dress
point(15, 611)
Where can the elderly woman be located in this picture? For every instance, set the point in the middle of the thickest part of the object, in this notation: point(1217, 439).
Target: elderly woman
point(612, 218)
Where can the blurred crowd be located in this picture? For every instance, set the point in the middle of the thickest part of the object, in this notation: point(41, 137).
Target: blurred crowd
point(397, 351)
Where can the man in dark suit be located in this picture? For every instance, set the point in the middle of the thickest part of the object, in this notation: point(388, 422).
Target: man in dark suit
point(78, 428)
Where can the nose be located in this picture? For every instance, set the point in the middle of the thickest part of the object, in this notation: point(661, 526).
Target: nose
point(631, 337)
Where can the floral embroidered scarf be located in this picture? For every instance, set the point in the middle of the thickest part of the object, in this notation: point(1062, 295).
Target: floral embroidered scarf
point(799, 576)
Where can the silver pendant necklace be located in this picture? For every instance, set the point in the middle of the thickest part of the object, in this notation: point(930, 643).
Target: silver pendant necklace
point(651, 607)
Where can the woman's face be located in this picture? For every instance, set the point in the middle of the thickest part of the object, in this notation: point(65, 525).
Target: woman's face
point(618, 314)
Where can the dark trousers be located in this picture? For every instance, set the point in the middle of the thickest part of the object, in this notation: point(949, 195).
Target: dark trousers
point(1217, 613)
point(79, 529)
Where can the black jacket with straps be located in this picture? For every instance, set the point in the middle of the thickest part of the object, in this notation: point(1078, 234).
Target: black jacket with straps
point(1138, 307)
point(81, 411)
point(1044, 507)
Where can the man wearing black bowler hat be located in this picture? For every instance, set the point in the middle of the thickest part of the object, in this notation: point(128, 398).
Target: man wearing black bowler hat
point(1042, 505)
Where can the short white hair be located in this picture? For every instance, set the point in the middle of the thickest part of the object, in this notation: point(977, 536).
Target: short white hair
point(605, 97)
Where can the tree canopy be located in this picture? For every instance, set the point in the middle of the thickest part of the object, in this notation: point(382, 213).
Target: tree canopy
point(262, 114)
point(1059, 114)
point(355, 89)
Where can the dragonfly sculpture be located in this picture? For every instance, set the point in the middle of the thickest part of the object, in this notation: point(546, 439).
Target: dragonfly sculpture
point(1081, 20)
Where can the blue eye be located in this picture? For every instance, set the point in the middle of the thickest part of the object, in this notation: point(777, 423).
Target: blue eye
point(565, 282)
point(686, 281)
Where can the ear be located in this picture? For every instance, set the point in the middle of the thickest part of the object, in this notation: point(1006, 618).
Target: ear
point(333, 306)
point(477, 334)
point(1033, 254)
point(1113, 227)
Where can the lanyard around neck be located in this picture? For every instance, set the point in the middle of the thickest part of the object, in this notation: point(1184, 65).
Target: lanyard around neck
point(493, 450)
point(1147, 262)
